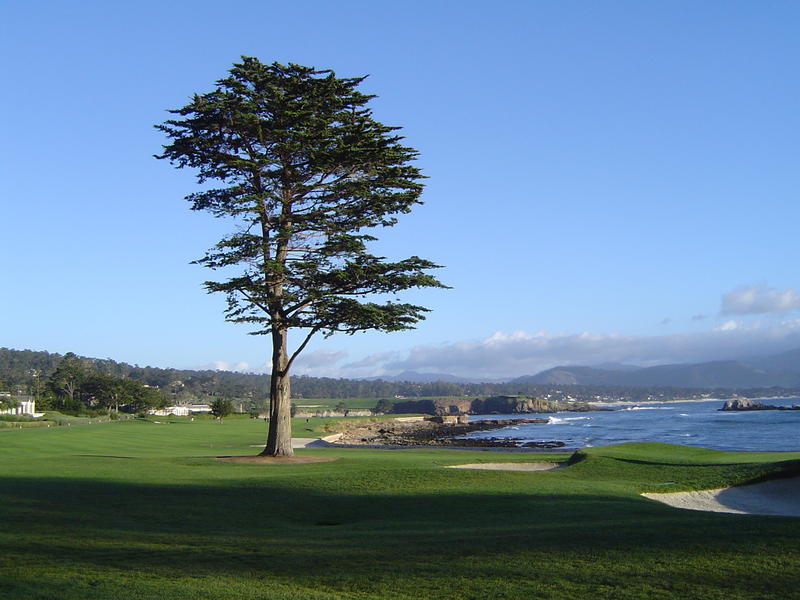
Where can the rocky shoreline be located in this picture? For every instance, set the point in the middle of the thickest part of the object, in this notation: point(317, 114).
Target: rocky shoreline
point(497, 405)
point(745, 404)
point(436, 431)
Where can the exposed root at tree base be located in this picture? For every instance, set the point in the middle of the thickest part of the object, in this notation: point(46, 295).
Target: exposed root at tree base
point(276, 460)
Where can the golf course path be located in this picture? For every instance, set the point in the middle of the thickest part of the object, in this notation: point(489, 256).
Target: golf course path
point(776, 497)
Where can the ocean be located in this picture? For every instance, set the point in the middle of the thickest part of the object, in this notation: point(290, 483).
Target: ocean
point(690, 423)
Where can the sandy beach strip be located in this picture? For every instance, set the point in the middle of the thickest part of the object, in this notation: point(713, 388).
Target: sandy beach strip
point(779, 497)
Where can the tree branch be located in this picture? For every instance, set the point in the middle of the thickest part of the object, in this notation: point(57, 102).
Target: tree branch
point(300, 348)
point(252, 300)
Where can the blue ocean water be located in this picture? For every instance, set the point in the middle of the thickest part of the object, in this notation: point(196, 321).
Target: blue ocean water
point(690, 423)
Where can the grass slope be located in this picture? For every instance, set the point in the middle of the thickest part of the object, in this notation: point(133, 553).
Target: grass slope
point(140, 510)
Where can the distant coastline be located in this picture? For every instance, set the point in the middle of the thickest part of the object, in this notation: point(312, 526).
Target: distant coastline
point(692, 400)
point(693, 422)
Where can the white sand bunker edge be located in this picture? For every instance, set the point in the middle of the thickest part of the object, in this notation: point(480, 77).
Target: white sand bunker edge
point(537, 466)
point(777, 497)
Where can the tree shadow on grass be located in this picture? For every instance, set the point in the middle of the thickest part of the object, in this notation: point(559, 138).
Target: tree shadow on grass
point(273, 531)
point(784, 468)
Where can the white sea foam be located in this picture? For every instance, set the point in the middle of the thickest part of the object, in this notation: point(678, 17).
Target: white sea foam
point(563, 420)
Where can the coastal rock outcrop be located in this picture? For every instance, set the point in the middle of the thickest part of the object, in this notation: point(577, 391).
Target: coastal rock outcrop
point(433, 431)
point(747, 404)
point(485, 406)
point(327, 413)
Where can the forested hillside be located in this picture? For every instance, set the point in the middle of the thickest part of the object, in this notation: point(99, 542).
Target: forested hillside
point(21, 369)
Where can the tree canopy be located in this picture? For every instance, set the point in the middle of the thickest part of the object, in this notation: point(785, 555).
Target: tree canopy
point(307, 176)
point(78, 384)
point(221, 408)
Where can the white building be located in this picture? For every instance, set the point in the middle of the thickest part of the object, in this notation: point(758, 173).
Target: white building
point(170, 411)
point(26, 405)
point(181, 411)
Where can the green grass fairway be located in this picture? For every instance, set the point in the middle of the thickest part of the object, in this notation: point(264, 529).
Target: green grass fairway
point(330, 403)
point(138, 510)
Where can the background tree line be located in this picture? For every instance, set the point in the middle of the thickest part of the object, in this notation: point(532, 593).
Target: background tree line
point(72, 384)
point(28, 371)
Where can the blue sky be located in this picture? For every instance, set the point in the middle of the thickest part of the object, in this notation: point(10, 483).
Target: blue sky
point(609, 181)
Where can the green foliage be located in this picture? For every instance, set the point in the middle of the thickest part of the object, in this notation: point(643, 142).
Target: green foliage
point(221, 408)
point(143, 398)
point(383, 406)
point(68, 377)
point(22, 424)
point(46, 400)
point(7, 401)
point(306, 169)
point(77, 386)
point(16, 418)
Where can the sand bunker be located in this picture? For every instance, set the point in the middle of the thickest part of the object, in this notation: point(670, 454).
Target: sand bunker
point(537, 466)
point(776, 497)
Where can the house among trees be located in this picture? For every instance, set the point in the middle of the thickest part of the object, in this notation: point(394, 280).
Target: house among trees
point(26, 405)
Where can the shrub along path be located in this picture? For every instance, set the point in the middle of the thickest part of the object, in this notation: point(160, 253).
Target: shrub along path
point(140, 510)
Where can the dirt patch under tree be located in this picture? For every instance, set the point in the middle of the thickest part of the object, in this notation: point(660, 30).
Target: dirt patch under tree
point(276, 460)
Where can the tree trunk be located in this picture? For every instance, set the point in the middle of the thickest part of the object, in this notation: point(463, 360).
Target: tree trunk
point(279, 436)
point(70, 388)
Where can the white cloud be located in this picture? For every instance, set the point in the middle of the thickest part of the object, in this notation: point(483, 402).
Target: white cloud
point(729, 326)
point(222, 365)
point(372, 360)
point(511, 354)
point(522, 353)
point(319, 358)
point(759, 299)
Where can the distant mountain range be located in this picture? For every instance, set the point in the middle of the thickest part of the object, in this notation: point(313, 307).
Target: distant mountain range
point(779, 370)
